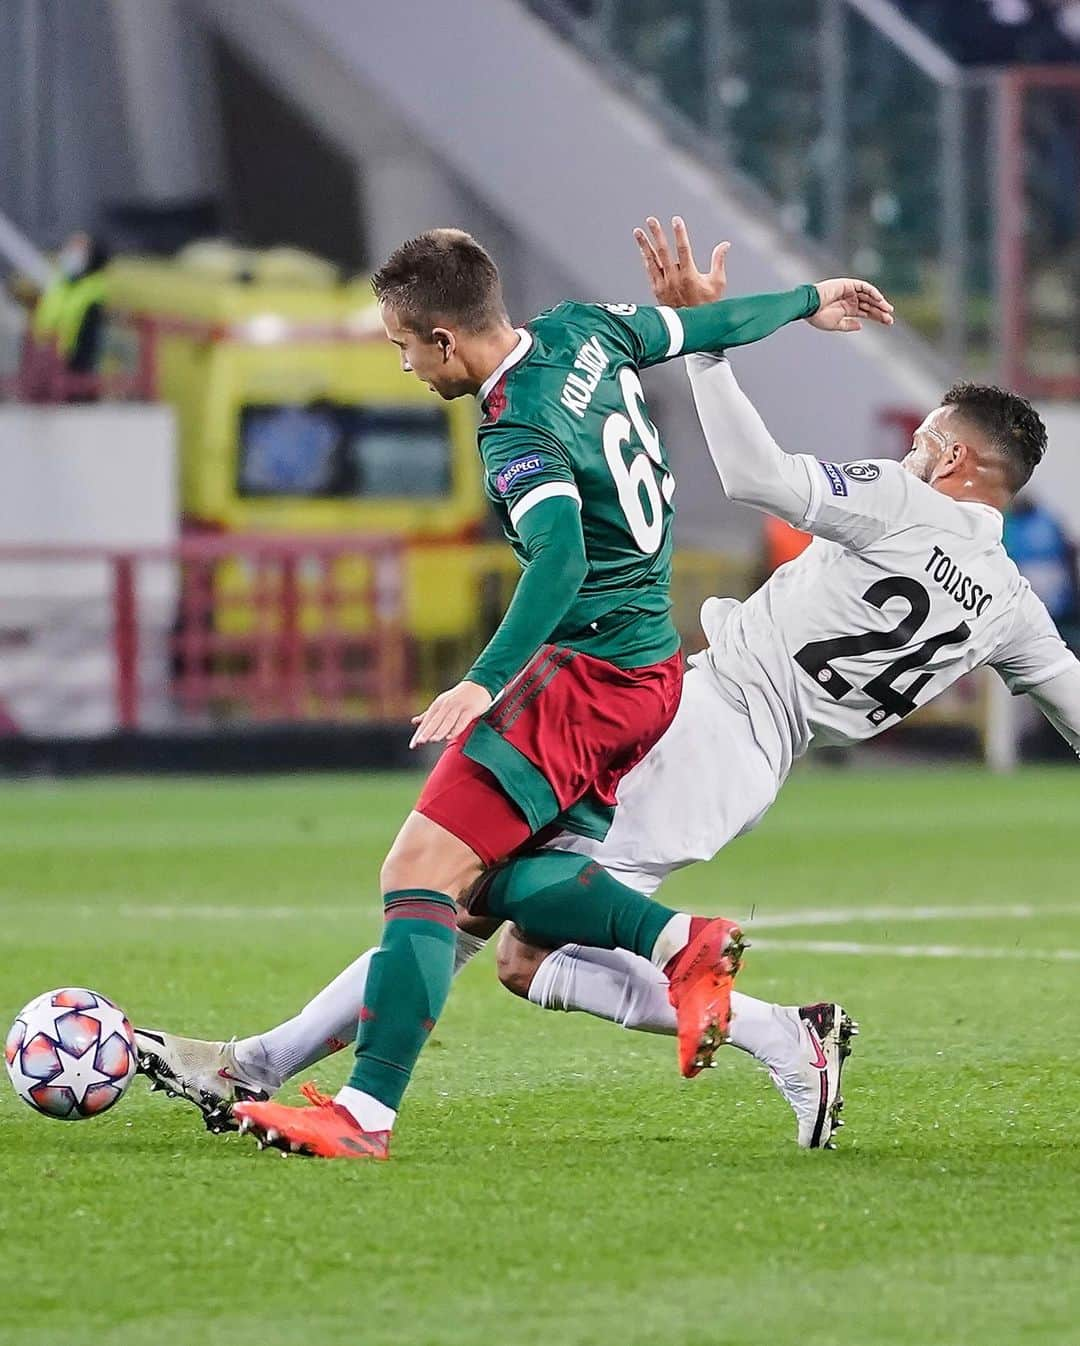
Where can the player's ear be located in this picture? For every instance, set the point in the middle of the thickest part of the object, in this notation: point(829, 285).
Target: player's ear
point(953, 460)
point(444, 339)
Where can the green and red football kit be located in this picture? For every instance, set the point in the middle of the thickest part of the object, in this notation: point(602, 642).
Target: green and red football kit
point(559, 740)
point(585, 666)
point(586, 674)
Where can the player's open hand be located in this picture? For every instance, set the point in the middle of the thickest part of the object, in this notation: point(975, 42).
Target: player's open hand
point(450, 714)
point(846, 303)
point(675, 279)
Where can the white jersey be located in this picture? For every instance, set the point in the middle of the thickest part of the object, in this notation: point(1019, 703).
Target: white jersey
point(902, 592)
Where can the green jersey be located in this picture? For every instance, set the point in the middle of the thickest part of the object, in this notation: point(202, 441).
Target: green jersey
point(565, 418)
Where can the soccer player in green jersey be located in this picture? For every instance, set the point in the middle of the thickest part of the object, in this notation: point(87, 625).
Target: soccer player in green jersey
point(582, 676)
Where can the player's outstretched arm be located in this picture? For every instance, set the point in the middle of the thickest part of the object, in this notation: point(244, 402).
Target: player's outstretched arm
point(1034, 659)
point(812, 495)
point(711, 323)
point(1059, 701)
point(551, 533)
point(752, 467)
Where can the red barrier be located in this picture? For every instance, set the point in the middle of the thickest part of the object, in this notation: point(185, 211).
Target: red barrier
point(215, 629)
point(126, 642)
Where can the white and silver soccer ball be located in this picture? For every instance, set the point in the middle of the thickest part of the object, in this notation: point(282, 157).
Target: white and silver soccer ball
point(71, 1054)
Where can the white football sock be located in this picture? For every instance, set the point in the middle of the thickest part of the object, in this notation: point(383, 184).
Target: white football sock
point(370, 1114)
point(466, 948)
point(625, 989)
point(767, 1032)
point(325, 1025)
point(608, 983)
point(674, 937)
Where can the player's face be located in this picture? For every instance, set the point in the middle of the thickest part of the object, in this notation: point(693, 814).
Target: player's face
point(931, 446)
point(433, 360)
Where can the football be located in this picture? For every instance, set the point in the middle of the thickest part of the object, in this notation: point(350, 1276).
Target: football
point(71, 1054)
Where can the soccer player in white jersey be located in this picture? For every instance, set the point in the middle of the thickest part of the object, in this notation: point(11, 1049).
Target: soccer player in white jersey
point(906, 588)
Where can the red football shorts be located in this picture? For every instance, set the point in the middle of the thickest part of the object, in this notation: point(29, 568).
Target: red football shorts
point(569, 726)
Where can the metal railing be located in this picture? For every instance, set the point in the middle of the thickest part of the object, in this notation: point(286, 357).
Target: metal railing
point(954, 187)
point(213, 631)
point(221, 631)
point(846, 114)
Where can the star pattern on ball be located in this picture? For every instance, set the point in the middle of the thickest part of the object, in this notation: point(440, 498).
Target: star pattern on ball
point(110, 1018)
point(77, 1073)
point(73, 1040)
point(45, 1015)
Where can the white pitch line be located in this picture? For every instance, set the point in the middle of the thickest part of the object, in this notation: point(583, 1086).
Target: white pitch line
point(1018, 953)
point(83, 909)
point(242, 913)
point(849, 915)
point(367, 902)
point(236, 833)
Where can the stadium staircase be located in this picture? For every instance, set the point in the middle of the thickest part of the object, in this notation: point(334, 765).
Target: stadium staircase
point(568, 156)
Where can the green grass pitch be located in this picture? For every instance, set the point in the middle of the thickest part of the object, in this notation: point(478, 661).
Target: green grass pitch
point(554, 1182)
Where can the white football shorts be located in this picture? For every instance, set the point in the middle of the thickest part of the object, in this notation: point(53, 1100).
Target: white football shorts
point(706, 782)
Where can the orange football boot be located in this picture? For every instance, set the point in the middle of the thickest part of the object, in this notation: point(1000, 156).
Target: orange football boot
point(325, 1130)
point(699, 988)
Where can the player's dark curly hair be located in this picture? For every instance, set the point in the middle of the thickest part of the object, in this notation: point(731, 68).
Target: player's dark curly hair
point(1009, 422)
point(441, 276)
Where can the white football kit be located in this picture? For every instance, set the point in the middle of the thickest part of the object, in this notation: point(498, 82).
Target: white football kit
point(902, 592)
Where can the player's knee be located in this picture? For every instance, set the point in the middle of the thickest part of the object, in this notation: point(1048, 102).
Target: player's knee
point(401, 863)
point(393, 875)
point(426, 856)
point(516, 960)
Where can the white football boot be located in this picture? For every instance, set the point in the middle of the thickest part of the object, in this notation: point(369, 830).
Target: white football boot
point(205, 1073)
point(809, 1075)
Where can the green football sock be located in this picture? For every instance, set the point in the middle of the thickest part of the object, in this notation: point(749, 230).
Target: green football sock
point(557, 898)
point(407, 986)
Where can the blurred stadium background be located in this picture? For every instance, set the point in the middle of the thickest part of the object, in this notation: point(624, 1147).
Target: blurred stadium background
point(234, 536)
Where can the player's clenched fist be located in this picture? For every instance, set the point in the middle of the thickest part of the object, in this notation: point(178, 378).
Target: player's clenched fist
point(450, 713)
